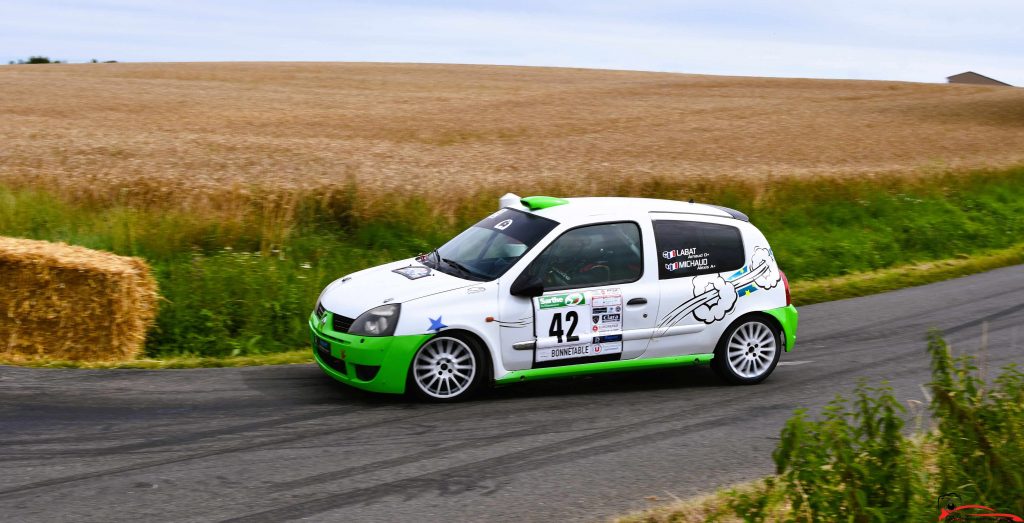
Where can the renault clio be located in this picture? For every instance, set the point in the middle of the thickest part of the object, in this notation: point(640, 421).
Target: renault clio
point(548, 287)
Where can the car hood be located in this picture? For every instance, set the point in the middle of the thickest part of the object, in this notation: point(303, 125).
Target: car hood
point(361, 291)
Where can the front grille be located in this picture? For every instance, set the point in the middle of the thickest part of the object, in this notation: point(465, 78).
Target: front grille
point(324, 352)
point(342, 323)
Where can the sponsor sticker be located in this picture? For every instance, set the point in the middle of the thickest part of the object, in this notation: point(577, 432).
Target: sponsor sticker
point(675, 253)
point(701, 263)
point(578, 350)
point(690, 258)
point(561, 300)
point(578, 325)
point(606, 310)
point(413, 272)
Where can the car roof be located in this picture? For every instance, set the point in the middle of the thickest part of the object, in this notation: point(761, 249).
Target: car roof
point(583, 210)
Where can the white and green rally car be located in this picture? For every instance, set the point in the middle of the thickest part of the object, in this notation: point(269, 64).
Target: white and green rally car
point(549, 287)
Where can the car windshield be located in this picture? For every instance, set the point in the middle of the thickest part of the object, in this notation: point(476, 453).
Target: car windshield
point(489, 248)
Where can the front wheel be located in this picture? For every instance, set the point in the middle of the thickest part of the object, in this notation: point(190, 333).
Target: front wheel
point(748, 351)
point(446, 368)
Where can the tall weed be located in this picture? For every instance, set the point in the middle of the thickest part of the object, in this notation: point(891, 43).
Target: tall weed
point(853, 465)
point(980, 429)
point(857, 464)
point(218, 299)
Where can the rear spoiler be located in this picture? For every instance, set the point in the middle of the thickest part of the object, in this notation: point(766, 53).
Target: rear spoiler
point(732, 212)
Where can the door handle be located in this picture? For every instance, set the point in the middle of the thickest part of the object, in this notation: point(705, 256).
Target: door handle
point(637, 301)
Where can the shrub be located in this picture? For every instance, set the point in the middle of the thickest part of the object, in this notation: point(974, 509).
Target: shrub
point(37, 60)
point(855, 463)
point(980, 430)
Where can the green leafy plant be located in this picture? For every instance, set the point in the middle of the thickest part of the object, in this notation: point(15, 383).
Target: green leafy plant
point(980, 433)
point(856, 464)
point(853, 465)
point(244, 282)
point(36, 60)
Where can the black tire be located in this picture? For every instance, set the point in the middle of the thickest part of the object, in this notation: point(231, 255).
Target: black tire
point(436, 370)
point(741, 356)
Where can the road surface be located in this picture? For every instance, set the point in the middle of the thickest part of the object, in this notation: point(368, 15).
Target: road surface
point(287, 443)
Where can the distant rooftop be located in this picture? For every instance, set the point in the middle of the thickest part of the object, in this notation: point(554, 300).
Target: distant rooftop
point(971, 77)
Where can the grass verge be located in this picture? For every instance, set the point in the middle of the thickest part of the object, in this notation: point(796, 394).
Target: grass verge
point(244, 286)
point(804, 293)
point(179, 362)
point(697, 509)
point(883, 280)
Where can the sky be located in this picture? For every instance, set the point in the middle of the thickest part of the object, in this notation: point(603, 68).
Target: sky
point(914, 40)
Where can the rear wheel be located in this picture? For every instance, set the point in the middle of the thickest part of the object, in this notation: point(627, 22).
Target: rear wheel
point(446, 368)
point(748, 351)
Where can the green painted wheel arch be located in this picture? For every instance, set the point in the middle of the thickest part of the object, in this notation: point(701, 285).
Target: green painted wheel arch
point(787, 319)
point(783, 318)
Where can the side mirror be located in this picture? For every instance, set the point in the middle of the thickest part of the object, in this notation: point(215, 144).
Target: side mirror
point(527, 286)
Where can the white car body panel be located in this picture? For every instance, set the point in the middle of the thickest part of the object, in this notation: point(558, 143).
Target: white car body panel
point(692, 335)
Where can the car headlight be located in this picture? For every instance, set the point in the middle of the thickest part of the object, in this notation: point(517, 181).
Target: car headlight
point(379, 321)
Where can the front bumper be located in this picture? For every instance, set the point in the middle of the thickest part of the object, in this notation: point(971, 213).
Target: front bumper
point(376, 364)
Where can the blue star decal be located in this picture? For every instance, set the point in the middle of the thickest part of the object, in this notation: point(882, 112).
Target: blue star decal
point(436, 325)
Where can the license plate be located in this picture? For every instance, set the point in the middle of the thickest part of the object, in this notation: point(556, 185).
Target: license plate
point(323, 347)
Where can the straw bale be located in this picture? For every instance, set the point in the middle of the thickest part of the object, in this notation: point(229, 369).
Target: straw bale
point(63, 302)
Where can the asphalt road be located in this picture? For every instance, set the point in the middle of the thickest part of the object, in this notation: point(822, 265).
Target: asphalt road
point(283, 443)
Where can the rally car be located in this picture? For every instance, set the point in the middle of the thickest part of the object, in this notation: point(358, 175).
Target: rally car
point(548, 287)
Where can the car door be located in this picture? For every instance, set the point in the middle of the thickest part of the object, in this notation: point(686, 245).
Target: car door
point(599, 302)
point(699, 268)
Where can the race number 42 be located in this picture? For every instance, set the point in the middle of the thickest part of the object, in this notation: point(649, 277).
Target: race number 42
point(572, 319)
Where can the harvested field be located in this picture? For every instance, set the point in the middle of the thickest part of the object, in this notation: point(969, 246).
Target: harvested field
point(71, 303)
point(196, 134)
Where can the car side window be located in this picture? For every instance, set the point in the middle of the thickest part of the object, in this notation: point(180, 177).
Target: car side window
point(692, 248)
point(590, 256)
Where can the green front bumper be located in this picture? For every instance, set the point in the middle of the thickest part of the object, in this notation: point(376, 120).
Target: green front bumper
point(788, 318)
point(376, 364)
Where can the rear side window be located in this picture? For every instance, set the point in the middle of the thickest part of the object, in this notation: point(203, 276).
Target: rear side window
point(692, 248)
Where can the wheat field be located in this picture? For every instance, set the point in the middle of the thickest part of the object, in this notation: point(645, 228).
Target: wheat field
point(247, 187)
point(188, 134)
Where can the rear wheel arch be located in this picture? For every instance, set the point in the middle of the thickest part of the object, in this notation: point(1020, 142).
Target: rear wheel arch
point(768, 318)
point(718, 362)
point(771, 320)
